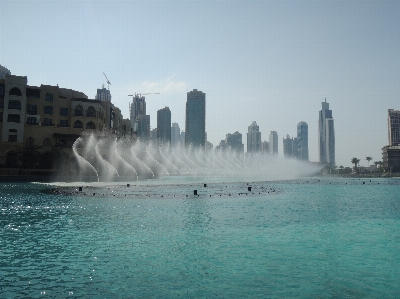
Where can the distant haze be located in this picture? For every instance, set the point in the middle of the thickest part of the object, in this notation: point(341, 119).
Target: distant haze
point(272, 62)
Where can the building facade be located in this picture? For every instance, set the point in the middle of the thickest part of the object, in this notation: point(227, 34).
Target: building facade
point(164, 126)
point(288, 147)
point(394, 127)
point(175, 134)
point(49, 116)
point(326, 136)
point(302, 141)
point(273, 143)
point(253, 138)
point(195, 125)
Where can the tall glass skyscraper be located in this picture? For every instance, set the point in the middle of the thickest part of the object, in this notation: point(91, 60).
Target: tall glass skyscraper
point(326, 133)
point(195, 126)
point(164, 126)
point(253, 138)
point(302, 141)
point(175, 134)
point(273, 143)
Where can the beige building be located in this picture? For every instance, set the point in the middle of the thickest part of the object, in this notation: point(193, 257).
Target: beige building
point(50, 116)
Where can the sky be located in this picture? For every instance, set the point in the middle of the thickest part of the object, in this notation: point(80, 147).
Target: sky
point(272, 62)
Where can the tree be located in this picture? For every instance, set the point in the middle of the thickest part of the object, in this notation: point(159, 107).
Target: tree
point(341, 167)
point(355, 161)
point(29, 156)
point(368, 159)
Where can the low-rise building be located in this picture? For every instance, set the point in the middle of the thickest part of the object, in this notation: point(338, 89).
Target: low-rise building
point(50, 117)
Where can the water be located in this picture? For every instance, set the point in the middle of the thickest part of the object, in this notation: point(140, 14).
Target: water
point(311, 238)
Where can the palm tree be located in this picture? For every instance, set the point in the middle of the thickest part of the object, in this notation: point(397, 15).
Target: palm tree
point(368, 159)
point(355, 161)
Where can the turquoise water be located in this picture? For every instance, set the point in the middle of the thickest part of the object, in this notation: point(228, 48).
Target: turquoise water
point(312, 238)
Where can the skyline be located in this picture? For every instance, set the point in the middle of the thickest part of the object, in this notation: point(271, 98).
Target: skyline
point(269, 62)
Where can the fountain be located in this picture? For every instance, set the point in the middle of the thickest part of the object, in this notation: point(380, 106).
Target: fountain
point(109, 159)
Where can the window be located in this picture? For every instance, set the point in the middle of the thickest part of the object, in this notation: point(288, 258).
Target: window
point(47, 122)
point(1, 90)
point(64, 123)
point(12, 138)
point(31, 120)
point(13, 104)
point(78, 124)
point(78, 111)
point(64, 111)
point(13, 118)
point(49, 97)
point(1, 117)
point(1, 103)
point(30, 141)
point(15, 92)
point(91, 112)
point(32, 93)
point(12, 131)
point(31, 109)
point(48, 110)
point(90, 126)
point(47, 142)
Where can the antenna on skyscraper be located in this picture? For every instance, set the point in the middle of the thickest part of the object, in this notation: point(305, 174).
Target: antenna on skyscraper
point(108, 81)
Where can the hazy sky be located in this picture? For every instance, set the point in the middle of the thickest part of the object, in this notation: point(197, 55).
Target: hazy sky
point(272, 62)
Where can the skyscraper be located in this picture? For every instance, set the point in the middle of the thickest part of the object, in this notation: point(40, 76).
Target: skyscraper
point(175, 134)
point(273, 143)
point(195, 126)
point(288, 147)
point(139, 120)
point(103, 95)
point(326, 133)
point(164, 126)
point(394, 127)
point(142, 127)
point(137, 107)
point(253, 138)
point(302, 141)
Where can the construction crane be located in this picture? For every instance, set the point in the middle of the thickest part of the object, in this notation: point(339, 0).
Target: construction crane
point(142, 94)
point(108, 81)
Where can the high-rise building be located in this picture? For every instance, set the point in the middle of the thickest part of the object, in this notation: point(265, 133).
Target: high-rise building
point(142, 127)
point(195, 126)
point(302, 141)
point(265, 147)
point(234, 142)
point(164, 126)
point(288, 147)
point(273, 143)
point(139, 120)
point(137, 107)
point(253, 138)
point(394, 127)
point(175, 134)
point(326, 133)
point(103, 95)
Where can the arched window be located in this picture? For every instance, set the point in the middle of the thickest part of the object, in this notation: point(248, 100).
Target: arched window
point(78, 124)
point(47, 142)
point(90, 126)
point(30, 141)
point(15, 92)
point(78, 111)
point(90, 112)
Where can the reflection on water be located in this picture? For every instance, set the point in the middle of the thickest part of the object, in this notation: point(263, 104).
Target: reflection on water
point(313, 238)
